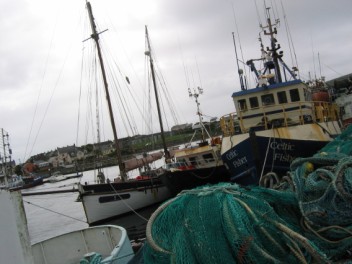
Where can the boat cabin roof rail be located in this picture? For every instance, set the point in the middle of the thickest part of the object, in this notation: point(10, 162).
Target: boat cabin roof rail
point(278, 115)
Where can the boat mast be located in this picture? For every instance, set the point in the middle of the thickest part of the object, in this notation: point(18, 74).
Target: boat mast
point(273, 49)
point(199, 113)
point(240, 71)
point(149, 54)
point(6, 154)
point(95, 36)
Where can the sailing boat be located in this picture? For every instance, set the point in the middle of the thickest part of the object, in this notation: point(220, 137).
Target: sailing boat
point(107, 200)
point(276, 121)
point(198, 165)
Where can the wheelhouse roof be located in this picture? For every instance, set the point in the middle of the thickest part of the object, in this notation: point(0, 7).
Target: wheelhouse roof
point(266, 88)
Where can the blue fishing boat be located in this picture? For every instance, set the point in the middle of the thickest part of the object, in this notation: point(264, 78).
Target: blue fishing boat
point(279, 119)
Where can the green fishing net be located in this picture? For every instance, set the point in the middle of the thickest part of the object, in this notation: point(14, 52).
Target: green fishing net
point(306, 219)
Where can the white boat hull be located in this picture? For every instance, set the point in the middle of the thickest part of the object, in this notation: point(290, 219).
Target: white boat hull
point(111, 242)
point(58, 178)
point(100, 206)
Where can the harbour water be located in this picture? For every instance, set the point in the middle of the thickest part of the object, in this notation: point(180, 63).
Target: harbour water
point(55, 214)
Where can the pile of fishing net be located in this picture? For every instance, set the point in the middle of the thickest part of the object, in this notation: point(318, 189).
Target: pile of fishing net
point(308, 219)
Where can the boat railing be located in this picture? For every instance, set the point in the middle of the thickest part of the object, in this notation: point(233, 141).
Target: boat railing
point(282, 115)
point(192, 164)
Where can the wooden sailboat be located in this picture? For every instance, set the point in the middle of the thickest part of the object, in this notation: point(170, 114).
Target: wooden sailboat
point(106, 200)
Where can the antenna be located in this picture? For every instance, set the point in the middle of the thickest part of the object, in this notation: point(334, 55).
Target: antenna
point(319, 65)
point(240, 71)
point(196, 94)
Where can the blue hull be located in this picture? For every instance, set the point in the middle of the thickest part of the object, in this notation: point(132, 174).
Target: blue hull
point(246, 159)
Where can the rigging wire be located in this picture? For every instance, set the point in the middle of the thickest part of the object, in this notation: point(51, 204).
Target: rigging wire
point(40, 90)
point(126, 116)
point(290, 40)
point(148, 96)
point(29, 152)
point(55, 212)
point(257, 11)
point(293, 55)
point(79, 100)
point(125, 52)
point(321, 76)
point(167, 95)
point(167, 92)
point(92, 87)
point(246, 70)
point(120, 101)
point(275, 11)
point(140, 106)
point(169, 101)
point(126, 113)
point(200, 79)
point(184, 66)
point(165, 98)
point(312, 44)
point(50, 100)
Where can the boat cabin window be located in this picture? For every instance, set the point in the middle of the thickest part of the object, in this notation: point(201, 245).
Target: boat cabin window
point(242, 104)
point(208, 157)
point(193, 160)
point(281, 96)
point(294, 94)
point(268, 99)
point(253, 102)
point(181, 160)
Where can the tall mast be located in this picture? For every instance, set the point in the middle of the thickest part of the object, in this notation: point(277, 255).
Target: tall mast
point(95, 36)
point(274, 47)
point(6, 158)
point(149, 53)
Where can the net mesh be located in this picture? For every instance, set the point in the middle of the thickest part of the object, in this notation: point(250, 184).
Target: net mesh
point(305, 218)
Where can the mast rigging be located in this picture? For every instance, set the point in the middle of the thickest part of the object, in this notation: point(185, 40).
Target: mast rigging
point(95, 36)
point(149, 54)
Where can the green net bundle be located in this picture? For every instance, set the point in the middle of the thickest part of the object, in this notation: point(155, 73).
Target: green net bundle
point(307, 220)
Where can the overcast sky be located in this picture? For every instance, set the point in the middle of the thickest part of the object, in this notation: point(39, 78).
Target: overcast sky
point(41, 50)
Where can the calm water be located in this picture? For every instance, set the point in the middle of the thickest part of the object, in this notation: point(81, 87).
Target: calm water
point(55, 214)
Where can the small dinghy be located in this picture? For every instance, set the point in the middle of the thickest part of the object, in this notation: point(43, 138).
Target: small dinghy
point(106, 244)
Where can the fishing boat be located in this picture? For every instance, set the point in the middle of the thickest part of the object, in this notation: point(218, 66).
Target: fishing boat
point(279, 119)
point(8, 180)
point(106, 243)
point(13, 182)
point(108, 199)
point(197, 163)
point(28, 182)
